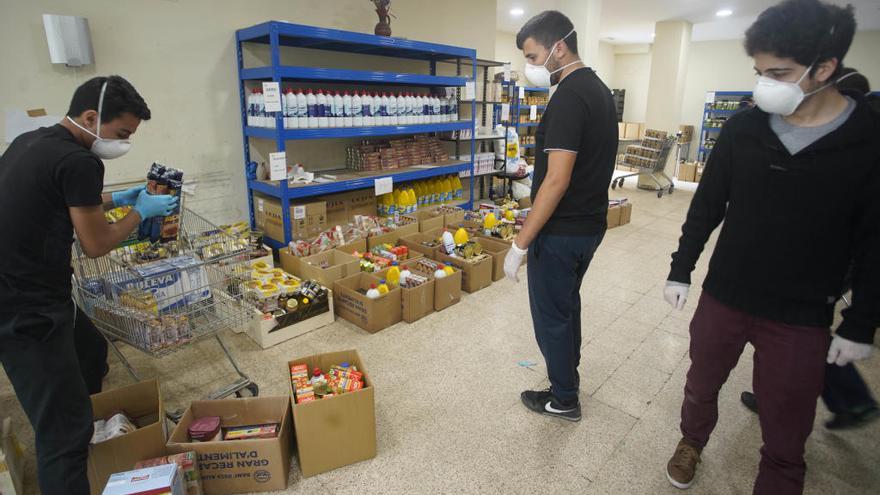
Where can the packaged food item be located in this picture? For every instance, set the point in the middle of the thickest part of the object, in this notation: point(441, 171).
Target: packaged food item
point(205, 429)
point(166, 479)
point(338, 380)
point(115, 426)
point(192, 481)
point(251, 432)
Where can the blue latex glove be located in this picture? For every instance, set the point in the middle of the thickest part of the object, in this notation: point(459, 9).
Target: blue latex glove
point(128, 197)
point(154, 205)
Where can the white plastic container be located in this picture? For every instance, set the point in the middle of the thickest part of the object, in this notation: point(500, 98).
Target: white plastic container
point(339, 103)
point(401, 109)
point(251, 108)
point(383, 109)
point(302, 110)
point(312, 105)
point(357, 111)
point(323, 120)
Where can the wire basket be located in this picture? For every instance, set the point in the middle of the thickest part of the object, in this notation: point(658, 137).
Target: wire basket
point(158, 306)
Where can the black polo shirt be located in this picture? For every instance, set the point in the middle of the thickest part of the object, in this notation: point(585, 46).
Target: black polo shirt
point(581, 118)
point(42, 174)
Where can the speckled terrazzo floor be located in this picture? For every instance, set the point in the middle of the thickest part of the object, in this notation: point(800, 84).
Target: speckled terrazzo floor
point(447, 391)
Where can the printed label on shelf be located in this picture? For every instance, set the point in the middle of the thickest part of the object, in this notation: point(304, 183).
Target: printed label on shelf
point(278, 166)
point(272, 96)
point(533, 112)
point(384, 185)
point(505, 112)
point(507, 72)
point(299, 212)
point(470, 90)
point(522, 93)
point(260, 205)
point(710, 97)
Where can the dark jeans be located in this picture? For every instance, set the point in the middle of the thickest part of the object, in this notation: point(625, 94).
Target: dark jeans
point(789, 369)
point(845, 390)
point(556, 267)
point(49, 359)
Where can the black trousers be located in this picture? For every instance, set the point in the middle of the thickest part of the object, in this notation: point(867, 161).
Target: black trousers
point(556, 268)
point(55, 358)
point(845, 390)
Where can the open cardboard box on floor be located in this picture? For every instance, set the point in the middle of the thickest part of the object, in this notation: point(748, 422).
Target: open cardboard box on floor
point(447, 290)
point(290, 262)
point(414, 242)
point(335, 431)
point(430, 219)
point(498, 250)
point(340, 265)
point(239, 466)
point(417, 302)
point(453, 216)
point(267, 330)
point(625, 213)
point(613, 216)
point(393, 236)
point(142, 402)
point(474, 276)
point(370, 314)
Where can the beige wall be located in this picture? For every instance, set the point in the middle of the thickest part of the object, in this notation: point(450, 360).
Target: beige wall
point(632, 71)
point(181, 56)
point(506, 51)
point(604, 63)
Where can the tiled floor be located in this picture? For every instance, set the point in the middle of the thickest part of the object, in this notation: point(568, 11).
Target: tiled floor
point(447, 391)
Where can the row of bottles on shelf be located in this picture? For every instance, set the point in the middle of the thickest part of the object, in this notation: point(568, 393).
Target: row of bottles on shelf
point(724, 105)
point(312, 109)
point(408, 198)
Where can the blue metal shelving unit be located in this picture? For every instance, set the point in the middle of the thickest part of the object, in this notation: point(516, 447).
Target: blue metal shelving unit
point(282, 34)
point(520, 107)
point(708, 112)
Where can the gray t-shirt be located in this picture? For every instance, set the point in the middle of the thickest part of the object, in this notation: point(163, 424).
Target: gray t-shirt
point(797, 138)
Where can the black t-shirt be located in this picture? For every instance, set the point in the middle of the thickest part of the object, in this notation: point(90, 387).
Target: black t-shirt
point(42, 173)
point(581, 118)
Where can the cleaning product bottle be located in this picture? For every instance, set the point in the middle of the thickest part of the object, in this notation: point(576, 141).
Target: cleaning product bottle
point(401, 109)
point(357, 111)
point(373, 292)
point(446, 190)
point(392, 110)
point(436, 109)
point(302, 110)
point(440, 272)
point(383, 109)
point(393, 276)
point(383, 287)
point(285, 108)
point(489, 223)
point(448, 242)
point(321, 99)
point(448, 270)
point(405, 274)
point(250, 108)
point(413, 200)
point(461, 236)
point(330, 110)
point(390, 206)
point(509, 216)
point(339, 103)
point(312, 105)
point(453, 109)
point(457, 188)
point(438, 186)
point(262, 120)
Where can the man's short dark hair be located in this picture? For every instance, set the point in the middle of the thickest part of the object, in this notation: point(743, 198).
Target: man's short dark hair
point(809, 31)
point(856, 82)
point(119, 97)
point(547, 28)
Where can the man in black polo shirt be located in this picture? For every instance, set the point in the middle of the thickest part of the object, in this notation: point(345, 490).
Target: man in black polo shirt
point(52, 180)
point(576, 142)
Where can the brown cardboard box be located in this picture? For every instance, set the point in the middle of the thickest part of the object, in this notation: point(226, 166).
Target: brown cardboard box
point(453, 216)
point(290, 263)
point(430, 219)
point(625, 213)
point(343, 206)
point(336, 431)
point(642, 130)
point(414, 243)
point(359, 245)
point(447, 290)
point(613, 216)
point(239, 466)
point(498, 249)
point(370, 314)
point(699, 174)
point(341, 265)
point(393, 236)
point(415, 303)
point(632, 131)
point(474, 276)
point(621, 130)
point(266, 331)
point(525, 202)
point(306, 220)
point(142, 402)
point(687, 171)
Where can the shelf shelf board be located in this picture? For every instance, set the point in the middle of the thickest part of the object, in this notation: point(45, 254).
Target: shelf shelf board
point(528, 107)
point(363, 180)
point(528, 124)
point(526, 146)
point(532, 88)
point(353, 132)
point(484, 102)
point(465, 140)
point(296, 73)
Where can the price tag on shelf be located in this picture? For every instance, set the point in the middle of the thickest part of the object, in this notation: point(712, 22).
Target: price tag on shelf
point(470, 90)
point(299, 212)
point(522, 93)
point(385, 185)
point(272, 96)
point(507, 72)
point(278, 166)
point(533, 112)
point(505, 112)
point(710, 97)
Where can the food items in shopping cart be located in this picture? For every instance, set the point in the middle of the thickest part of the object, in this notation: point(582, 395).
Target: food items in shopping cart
point(340, 379)
point(251, 432)
point(175, 282)
point(192, 481)
point(144, 330)
point(115, 426)
point(205, 429)
point(163, 180)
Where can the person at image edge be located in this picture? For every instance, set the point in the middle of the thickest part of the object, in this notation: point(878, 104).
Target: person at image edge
point(796, 182)
point(52, 180)
point(576, 144)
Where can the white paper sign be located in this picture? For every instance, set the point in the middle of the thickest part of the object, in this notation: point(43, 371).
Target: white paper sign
point(278, 166)
point(710, 97)
point(533, 112)
point(272, 96)
point(299, 212)
point(522, 93)
point(384, 185)
point(506, 72)
point(260, 205)
point(505, 112)
point(470, 90)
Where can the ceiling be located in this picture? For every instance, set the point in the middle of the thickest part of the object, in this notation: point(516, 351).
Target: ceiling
point(632, 21)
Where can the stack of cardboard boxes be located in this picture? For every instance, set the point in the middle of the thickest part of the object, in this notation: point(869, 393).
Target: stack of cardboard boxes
point(619, 213)
point(690, 171)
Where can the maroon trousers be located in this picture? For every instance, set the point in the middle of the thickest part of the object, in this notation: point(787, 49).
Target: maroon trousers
point(789, 369)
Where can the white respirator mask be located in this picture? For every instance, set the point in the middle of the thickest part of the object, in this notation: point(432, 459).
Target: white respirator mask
point(106, 149)
point(538, 75)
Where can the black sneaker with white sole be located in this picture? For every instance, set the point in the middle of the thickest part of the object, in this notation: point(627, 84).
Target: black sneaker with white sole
point(543, 402)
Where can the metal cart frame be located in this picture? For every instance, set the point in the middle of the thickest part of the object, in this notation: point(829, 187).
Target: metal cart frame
point(657, 167)
point(162, 306)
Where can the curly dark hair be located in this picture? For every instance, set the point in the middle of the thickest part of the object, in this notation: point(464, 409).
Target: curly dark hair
point(809, 31)
point(119, 97)
point(547, 28)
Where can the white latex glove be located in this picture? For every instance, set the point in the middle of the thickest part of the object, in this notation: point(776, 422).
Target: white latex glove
point(676, 294)
point(843, 351)
point(513, 261)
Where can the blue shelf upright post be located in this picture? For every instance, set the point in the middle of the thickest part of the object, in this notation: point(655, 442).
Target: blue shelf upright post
point(280, 143)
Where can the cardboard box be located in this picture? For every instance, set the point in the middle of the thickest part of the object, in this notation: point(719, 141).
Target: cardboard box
point(11, 461)
point(341, 265)
point(359, 246)
point(699, 174)
point(687, 171)
point(160, 480)
point(142, 402)
point(632, 131)
point(343, 206)
point(393, 236)
point(621, 130)
point(474, 276)
point(290, 263)
point(453, 216)
point(430, 219)
point(498, 250)
point(336, 431)
point(625, 213)
point(188, 462)
point(613, 216)
point(307, 220)
point(642, 130)
point(415, 303)
point(447, 290)
point(266, 330)
point(414, 243)
point(239, 466)
point(370, 314)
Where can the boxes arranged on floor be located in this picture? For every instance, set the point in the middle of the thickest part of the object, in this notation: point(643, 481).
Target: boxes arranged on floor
point(447, 281)
point(307, 220)
point(625, 213)
point(687, 171)
point(328, 267)
point(166, 479)
point(11, 461)
point(430, 219)
point(249, 452)
point(384, 255)
point(613, 216)
point(427, 243)
point(417, 289)
point(498, 250)
point(339, 429)
point(188, 463)
point(371, 314)
point(136, 430)
point(619, 212)
point(404, 226)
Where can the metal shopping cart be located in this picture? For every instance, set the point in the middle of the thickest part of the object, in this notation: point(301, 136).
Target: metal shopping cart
point(193, 291)
point(650, 159)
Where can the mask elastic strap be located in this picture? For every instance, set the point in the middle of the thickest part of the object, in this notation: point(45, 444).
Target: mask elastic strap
point(100, 108)
point(81, 127)
point(564, 66)
point(554, 47)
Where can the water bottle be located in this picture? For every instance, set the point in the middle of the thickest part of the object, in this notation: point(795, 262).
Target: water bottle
point(357, 111)
point(453, 109)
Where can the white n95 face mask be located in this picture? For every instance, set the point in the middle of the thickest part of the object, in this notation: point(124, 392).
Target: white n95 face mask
point(106, 149)
point(780, 97)
point(538, 75)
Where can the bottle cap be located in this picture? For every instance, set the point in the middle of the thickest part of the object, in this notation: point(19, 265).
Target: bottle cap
point(394, 263)
point(316, 372)
point(372, 286)
point(382, 281)
point(344, 364)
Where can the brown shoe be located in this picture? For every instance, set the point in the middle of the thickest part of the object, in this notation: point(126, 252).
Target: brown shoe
point(680, 470)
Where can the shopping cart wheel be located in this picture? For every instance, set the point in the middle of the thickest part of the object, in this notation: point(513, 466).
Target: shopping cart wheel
point(613, 184)
point(671, 188)
point(621, 182)
point(252, 390)
point(660, 193)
